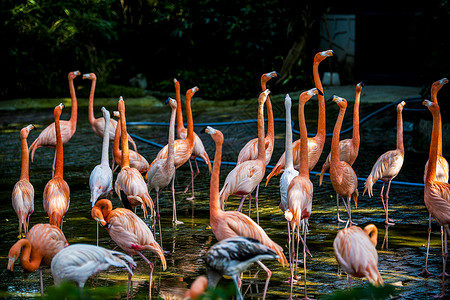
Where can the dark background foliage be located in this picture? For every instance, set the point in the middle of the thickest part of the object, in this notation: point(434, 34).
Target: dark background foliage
point(221, 46)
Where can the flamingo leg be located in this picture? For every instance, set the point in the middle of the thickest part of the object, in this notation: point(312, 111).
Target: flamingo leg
point(444, 263)
point(269, 274)
point(191, 183)
point(291, 263)
point(249, 204)
point(385, 244)
point(388, 220)
point(256, 203)
point(129, 280)
point(425, 271)
point(174, 214)
point(150, 264)
point(159, 217)
point(337, 209)
point(304, 261)
point(41, 281)
point(97, 233)
point(442, 247)
point(242, 203)
point(236, 280)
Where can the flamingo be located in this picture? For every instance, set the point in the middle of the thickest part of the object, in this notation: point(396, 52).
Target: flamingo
point(437, 193)
point(441, 167)
point(316, 143)
point(230, 257)
point(56, 195)
point(183, 148)
point(128, 231)
point(250, 150)
point(355, 251)
point(162, 171)
point(342, 176)
point(300, 190)
point(137, 161)
point(199, 148)
point(41, 244)
point(197, 289)
point(226, 224)
point(78, 262)
point(245, 177)
point(348, 148)
point(388, 165)
point(23, 191)
point(130, 185)
point(98, 124)
point(47, 136)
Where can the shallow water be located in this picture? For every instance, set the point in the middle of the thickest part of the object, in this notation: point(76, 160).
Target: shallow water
point(400, 260)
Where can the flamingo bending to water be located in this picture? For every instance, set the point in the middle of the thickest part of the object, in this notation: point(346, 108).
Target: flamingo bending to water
point(41, 244)
point(98, 124)
point(47, 137)
point(245, 177)
point(128, 231)
point(342, 176)
point(348, 148)
point(316, 143)
point(250, 150)
point(436, 193)
point(387, 166)
point(78, 262)
point(226, 224)
point(130, 185)
point(355, 251)
point(56, 197)
point(23, 191)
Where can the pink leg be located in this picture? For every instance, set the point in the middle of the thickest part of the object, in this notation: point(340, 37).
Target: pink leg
point(425, 271)
point(42, 282)
point(159, 217)
point(150, 264)
point(304, 261)
point(256, 203)
point(337, 209)
point(242, 203)
point(388, 221)
point(269, 274)
point(174, 205)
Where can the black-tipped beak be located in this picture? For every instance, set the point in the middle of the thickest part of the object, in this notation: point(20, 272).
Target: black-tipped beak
point(320, 92)
point(278, 74)
point(330, 99)
point(362, 84)
point(203, 130)
point(167, 100)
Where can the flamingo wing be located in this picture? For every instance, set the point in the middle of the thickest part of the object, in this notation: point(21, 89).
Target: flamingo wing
point(437, 201)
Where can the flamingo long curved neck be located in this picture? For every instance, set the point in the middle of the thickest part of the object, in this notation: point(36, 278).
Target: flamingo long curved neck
point(102, 209)
point(105, 144)
point(321, 127)
point(190, 120)
point(270, 122)
point(59, 165)
point(261, 142)
point(372, 232)
point(304, 168)
point(214, 202)
point(336, 132)
point(171, 149)
point(73, 115)
point(434, 90)
point(117, 154)
point(91, 116)
point(180, 125)
point(123, 136)
point(24, 171)
point(400, 131)
point(355, 134)
point(432, 158)
point(289, 162)
point(29, 260)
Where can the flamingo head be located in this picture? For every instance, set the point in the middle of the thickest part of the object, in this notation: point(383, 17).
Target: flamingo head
point(90, 76)
point(433, 107)
point(322, 55)
point(400, 106)
point(267, 76)
point(341, 102)
point(359, 87)
point(172, 102)
point(26, 130)
point(73, 74)
point(105, 112)
point(287, 102)
point(216, 135)
point(306, 95)
point(116, 114)
point(176, 83)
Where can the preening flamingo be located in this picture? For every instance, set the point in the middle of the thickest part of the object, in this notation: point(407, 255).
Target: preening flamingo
point(162, 172)
point(316, 143)
point(130, 185)
point(231, 257)
point(300, 191)
point(183, 148)
point(128, 231)
point(23, 191)
point(355, 251)
point(245, 177)
point(56, 197)
point(342, 176)
point(41, 244)
point(47, 136)
point(441, 166)
point(250, 150)
point(78, 262)
point(198, 150)
point(348, 148)
point(226, 224)
point(98, 124)
point(388, 165)
point(437, 193)
point(137, 161)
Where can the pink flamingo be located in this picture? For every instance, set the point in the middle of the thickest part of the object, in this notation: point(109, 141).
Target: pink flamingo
point(388, 165)
point(98, 124)
point(130, 185)
point(355, 251)
point(57, 192)
point(225, 224)
point(23, 191)
point(245, 177)
point(348, 148)
point(316, 143)
point(250, 150)
point(128, 231)
point(47, 136)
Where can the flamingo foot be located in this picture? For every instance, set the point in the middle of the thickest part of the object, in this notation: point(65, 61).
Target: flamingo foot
point(294, 280)
point(191, 198)
point(176, 222)
point(389, 222)
point(341, 221)
point(425, 273)
point(440, 275)
point(440, 296)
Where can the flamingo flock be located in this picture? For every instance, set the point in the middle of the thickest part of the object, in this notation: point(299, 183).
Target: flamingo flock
point(241, 241)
